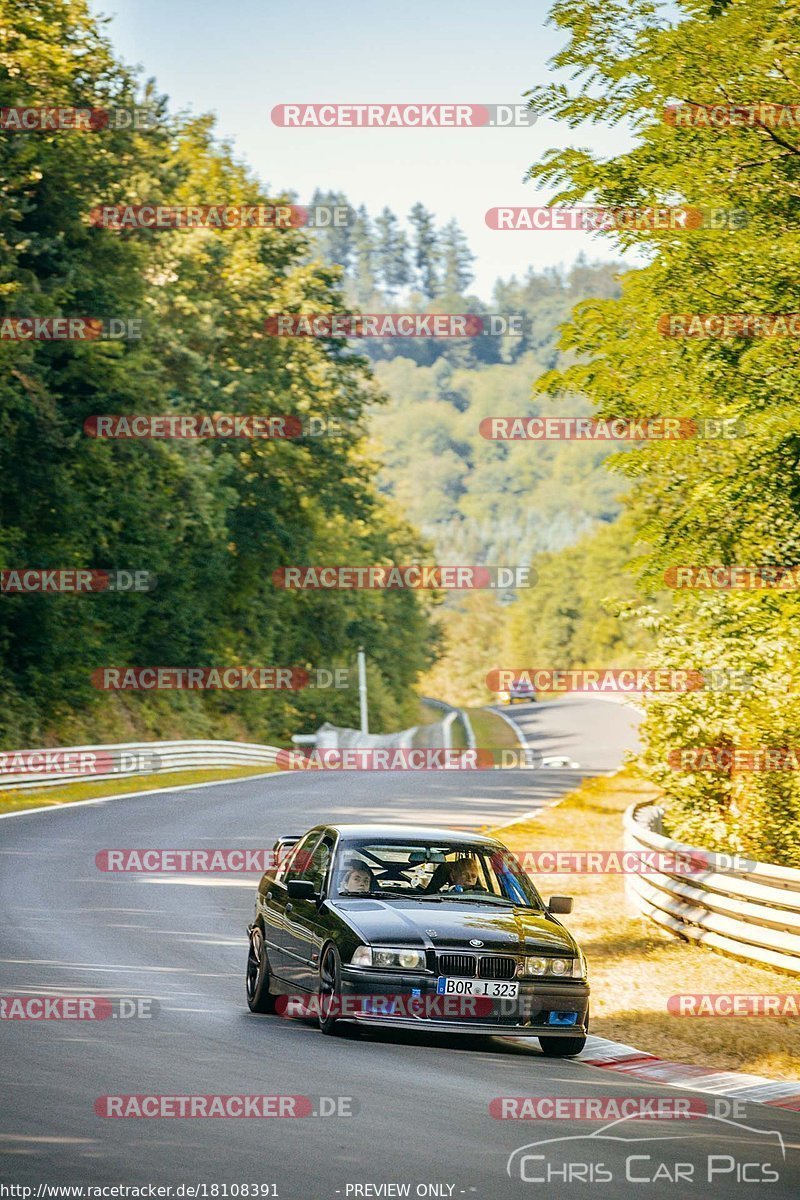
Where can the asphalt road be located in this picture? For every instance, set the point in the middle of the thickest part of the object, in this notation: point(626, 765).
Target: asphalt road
point(422, 1118)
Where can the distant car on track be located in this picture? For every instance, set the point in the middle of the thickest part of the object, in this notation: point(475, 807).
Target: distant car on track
point(379, 925)
point(518, 689)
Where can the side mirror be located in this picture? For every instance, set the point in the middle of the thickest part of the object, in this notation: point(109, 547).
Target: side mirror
point(559, 904)
point(301, 889)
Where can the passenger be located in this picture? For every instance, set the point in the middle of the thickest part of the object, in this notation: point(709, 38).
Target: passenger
point(356, 880)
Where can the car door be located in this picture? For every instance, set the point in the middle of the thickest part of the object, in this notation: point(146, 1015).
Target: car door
point(305, 924)
point(273, 903)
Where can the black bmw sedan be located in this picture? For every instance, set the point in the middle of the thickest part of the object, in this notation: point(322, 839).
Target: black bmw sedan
point(411, 927)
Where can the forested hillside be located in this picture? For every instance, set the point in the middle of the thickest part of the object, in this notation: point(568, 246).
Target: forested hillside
point(482, 501)
point(479, 500)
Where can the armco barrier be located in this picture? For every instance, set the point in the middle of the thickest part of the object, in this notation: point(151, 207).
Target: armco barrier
point(750, 910)
point(145, 758)
point(451, 710)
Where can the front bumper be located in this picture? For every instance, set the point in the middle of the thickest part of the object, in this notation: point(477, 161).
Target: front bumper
point(529, 1015)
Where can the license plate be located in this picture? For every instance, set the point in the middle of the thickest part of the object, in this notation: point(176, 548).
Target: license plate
point(445, 986)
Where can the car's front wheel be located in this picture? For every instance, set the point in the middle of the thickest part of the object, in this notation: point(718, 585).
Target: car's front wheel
point(259, 998)
point(330, 989)
point(562, 1047)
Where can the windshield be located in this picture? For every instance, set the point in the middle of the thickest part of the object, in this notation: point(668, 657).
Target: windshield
point(433, 871)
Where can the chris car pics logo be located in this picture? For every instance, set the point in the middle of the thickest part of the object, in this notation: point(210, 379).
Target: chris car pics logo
point(712, 1149)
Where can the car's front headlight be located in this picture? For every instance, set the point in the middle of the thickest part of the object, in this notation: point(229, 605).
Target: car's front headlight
point(394, 958)
point(561, 968)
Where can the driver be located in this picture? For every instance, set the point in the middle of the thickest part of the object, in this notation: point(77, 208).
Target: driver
point(461, 875)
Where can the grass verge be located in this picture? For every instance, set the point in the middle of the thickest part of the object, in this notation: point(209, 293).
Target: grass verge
point(70, 792)
point(633, 967)
point(491, 732)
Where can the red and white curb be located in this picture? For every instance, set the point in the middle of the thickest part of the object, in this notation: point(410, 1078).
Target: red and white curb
point(616, 1056)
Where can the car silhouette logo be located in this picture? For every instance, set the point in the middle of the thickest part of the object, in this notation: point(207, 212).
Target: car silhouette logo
point(475, 942)
point(611, 1133)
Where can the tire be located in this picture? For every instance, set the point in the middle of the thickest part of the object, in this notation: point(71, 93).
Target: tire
point(259, 998)
point(562, 1047)
point(330, 988)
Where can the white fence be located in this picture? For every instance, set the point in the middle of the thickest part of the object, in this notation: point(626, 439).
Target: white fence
point(84, 764)
point(745, 908)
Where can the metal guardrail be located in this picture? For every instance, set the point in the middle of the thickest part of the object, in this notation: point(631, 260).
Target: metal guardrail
point(121, 760)
point(454, 711)
point(744, 908)
point(48, 767)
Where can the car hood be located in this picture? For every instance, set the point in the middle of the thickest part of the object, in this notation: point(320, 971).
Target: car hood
point(439, 925)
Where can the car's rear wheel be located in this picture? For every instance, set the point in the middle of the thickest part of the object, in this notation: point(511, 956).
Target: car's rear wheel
point(562, 1047)
point(259, 998)
point(330, 989)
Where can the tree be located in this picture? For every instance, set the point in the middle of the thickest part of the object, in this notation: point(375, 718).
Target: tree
point(364, 283)
point(210, 519)
point(425, 246)
point(334, 241)
point(457, 260)
point(703, 500)
point(392, 253)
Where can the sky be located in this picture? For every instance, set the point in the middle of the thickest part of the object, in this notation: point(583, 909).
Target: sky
point(239, 60)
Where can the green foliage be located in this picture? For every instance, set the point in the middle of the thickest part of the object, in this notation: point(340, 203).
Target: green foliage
point(750, 643)
point(575, 614)
point(699, 501)
point(473, 640)
point(211, 520)
point(580, 611)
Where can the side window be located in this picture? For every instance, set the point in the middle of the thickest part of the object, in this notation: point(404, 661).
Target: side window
point(298, 858)
point(318, 867)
